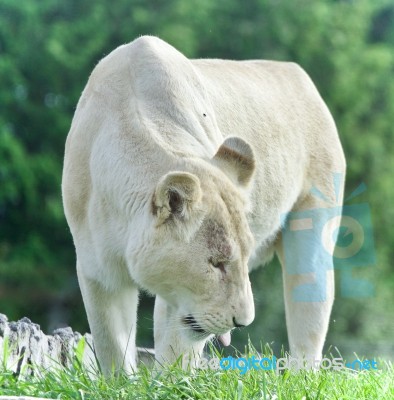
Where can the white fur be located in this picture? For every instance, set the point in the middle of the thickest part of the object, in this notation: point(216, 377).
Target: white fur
point(151, 123)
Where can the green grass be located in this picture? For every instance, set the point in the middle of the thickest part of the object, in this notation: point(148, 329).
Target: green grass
point(174, 383)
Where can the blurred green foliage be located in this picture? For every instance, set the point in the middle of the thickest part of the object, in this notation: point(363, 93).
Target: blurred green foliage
point(47, 51)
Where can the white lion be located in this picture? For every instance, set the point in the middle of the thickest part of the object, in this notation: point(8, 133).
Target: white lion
point(177, 176)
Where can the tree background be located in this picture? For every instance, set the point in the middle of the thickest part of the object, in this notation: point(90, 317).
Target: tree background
point(47, 51)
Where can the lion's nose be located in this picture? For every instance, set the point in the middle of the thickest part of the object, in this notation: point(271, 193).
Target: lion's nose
point(236, 324)
point(244, 320)
point(244, 311)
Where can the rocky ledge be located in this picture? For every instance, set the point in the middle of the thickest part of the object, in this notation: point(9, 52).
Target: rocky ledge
point(24, 348)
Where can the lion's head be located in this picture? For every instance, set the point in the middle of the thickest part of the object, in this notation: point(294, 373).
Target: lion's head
point(198, 258)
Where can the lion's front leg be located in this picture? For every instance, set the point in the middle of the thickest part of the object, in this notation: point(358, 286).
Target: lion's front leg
point(112, 319)
point(307, 320)
point(306, 251)
point(171, 339)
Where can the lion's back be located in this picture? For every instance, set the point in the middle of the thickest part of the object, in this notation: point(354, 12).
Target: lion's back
point(147, 104)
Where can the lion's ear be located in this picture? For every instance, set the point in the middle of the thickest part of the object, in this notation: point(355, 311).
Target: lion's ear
point(236, 158)
point(176, 195)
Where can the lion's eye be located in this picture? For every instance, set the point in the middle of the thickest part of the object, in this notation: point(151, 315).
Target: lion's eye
point(218, 264)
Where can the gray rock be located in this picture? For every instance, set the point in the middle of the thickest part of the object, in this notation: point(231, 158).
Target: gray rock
point(27, 350)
